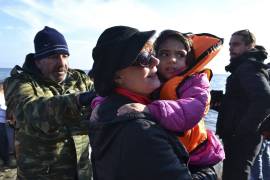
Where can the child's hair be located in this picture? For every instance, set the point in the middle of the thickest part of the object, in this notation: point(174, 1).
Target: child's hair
point(164, 35)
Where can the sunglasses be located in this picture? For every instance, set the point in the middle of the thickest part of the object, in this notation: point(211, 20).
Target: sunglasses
point(144, 59)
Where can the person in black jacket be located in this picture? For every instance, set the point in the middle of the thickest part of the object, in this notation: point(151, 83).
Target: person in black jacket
point(265, 125)
point(244, 106)
point(131, 146)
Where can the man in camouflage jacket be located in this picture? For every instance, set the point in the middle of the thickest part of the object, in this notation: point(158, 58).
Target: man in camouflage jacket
point(49, 102)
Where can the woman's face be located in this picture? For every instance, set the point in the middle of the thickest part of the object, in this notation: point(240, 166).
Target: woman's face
point(172, 55)
point(139, 79)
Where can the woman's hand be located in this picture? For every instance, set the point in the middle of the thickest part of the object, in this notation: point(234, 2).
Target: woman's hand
point(132, 107)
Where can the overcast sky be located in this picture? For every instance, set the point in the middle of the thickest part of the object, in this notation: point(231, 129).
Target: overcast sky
point(82, 21)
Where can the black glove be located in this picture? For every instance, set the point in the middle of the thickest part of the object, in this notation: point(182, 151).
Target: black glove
point(86, 98)
point(216, 98)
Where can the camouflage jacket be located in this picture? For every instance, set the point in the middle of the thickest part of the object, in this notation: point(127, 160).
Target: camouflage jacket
point(51, 131)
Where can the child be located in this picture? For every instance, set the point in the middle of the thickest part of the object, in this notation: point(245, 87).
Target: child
point(187, 99)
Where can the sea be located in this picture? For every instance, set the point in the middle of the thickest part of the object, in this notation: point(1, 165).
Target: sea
point(217, 83)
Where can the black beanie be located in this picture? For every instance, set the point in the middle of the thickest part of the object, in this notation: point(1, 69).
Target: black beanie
point(116, 48)
point(48, 42)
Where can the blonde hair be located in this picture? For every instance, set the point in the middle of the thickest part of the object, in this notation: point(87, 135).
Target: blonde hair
point(148, 46)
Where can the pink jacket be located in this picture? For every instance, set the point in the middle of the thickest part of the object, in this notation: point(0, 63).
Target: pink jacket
point(182, 114)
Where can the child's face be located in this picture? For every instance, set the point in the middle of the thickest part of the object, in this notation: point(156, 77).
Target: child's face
point(172, 55)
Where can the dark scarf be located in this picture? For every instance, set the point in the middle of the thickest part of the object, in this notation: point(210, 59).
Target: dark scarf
point(258, 54)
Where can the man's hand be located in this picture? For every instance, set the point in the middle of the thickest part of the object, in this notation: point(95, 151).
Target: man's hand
point(216, 98)
point(85, 98)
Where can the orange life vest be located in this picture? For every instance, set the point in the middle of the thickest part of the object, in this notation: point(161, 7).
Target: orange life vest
point(205, 47)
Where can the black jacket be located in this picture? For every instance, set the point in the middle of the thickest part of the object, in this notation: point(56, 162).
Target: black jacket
point(134, 147)
point(246, 102)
